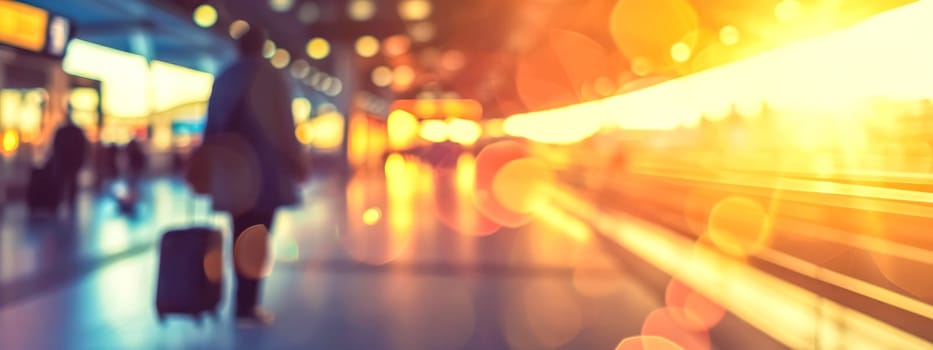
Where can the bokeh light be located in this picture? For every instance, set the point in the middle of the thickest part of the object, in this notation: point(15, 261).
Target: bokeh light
point(414, 10)
point(434, 130)
point(281, 5)
point(739, 226)
point(309, 12)
point(421, 32)
point(268, 48)
point(367, 46)
point(453, 60)
point(318, 48)
point(328, 130)
point(300, 69)
point(205, 16)
point(661, 323)
point(402, 128)
point(729, 35)
point(647, 342)
point(542, 315)
point(396, 45)
point(374, 244)
point(605, 86)
point(403, 76)
point(649, 28)
point(251, 252)
point(335, 88)
point(680, 52)
point(214, 265)
point(787, 10)
point(238, 28)
point(690, 309)
point(489, 162)
point(301, 109)
point(361, 10)
point(371, 216)
point(642, 66)
point(454, 188)
point(523, 185)
point(464, 132)
point(280, 59)
point(382, 76)
point(10, 141)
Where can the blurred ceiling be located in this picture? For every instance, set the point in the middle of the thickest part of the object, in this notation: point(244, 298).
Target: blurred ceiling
point(150, 28)
point(517, 55)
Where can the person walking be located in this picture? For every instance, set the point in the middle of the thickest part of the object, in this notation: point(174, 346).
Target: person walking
point(253, 161)
point(69, 150)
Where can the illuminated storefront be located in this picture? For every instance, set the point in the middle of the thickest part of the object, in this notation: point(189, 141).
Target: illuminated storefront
point(33, 87)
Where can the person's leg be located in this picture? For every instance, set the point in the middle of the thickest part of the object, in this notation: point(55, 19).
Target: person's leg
point(247, 285)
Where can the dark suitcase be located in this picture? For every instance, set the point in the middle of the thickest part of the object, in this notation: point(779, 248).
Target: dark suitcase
point(190, 273)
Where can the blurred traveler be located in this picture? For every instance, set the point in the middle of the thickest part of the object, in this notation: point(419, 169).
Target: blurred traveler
point(250, 162)
point(135, 163)
point(69, 150)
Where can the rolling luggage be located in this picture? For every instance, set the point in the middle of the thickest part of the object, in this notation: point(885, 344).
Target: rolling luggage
point(190, 273)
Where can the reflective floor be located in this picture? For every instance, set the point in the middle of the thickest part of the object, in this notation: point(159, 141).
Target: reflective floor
point(389, 259)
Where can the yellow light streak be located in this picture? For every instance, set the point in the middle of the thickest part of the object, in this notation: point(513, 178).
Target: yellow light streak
point(812, 75)
point(794, 316)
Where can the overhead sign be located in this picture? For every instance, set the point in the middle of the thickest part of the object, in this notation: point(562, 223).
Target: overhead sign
point(34, 29)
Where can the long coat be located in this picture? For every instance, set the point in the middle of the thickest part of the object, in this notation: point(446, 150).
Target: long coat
point(250, 158)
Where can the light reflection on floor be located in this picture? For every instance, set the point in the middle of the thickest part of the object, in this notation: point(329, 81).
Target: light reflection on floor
point(404, 280)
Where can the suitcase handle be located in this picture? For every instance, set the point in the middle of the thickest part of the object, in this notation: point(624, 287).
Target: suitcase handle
point(193, 211)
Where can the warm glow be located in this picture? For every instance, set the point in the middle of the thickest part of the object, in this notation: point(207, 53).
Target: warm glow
point(205, 16)
point(361, 10)
point(557, 126)
point(812, 74)
point(648, 29)
point(301, 109)
point(367, 46)
point(729, 35)
point(84, 99)
point(422, 31)
point(787, 10)
point(522, 185)
point(280, 59)
point(281, 5)
point(414, 10)
point(10, 141)
point(464, 132)
point(382, 76)
point(175, 86)
point(739, 226)
point(268, 48)
point(453, 60)
point(403, 77)
point(371, 216)
point(327, 130)
point(434, 130)
point(238, 28)
point(402, 128)
point(396, 45)
point(680, 52)
point(318, 48)
point(304, 132)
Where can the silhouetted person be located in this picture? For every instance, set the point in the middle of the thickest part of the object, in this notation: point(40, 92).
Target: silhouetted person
point(69, 149)
point(136, 162)
point(255, 159)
